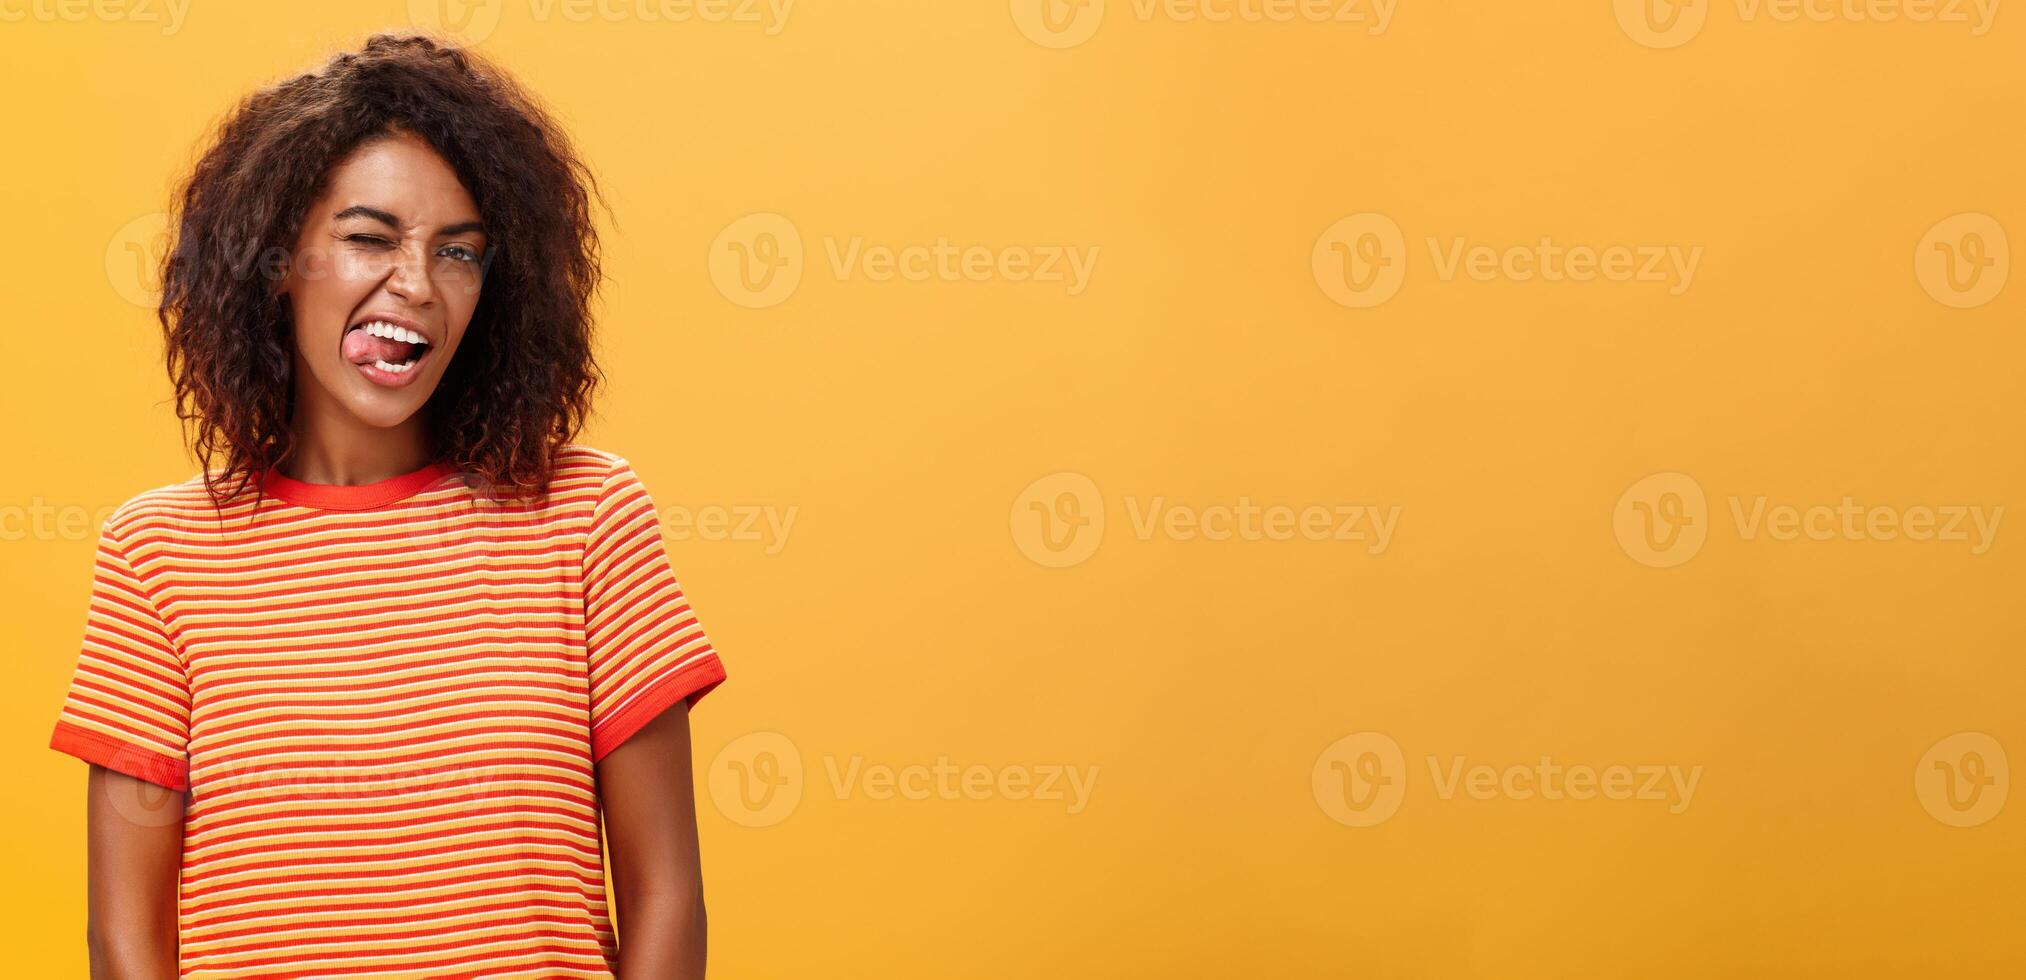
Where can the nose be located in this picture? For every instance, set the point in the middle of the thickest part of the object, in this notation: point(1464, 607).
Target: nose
point(409, 278)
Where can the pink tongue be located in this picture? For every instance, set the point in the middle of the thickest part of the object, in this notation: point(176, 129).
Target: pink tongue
point(362, 348)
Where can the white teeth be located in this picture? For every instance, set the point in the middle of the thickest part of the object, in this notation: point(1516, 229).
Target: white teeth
point(392, 368)
point(380, 328)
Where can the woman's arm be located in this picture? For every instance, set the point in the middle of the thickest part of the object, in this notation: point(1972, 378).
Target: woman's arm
point(133, 853)
point(650, 825)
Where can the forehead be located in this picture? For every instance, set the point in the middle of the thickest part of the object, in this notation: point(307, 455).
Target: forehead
point(402, 175)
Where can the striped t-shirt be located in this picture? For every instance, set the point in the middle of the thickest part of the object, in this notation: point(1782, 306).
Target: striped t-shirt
point(385, 702)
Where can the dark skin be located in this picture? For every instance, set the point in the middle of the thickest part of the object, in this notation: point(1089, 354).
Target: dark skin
point(645, 789)
point(134, 848)
point(395, 233)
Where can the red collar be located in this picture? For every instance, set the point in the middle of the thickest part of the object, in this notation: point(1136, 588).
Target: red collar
point(360, 496)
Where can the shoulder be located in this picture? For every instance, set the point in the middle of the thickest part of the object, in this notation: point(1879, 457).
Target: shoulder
point(578, 457)
point(605, 476)
point(178, 501)
point(578, 465)
point(619, 498)
point(609, 469)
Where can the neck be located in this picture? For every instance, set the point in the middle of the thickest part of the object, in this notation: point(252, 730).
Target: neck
point(331, 446)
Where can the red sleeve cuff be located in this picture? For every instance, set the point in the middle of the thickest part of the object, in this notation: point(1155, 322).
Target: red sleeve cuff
point(694, 680)
point(132, 758)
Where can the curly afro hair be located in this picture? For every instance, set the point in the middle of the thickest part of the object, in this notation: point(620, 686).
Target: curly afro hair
point(522, 381)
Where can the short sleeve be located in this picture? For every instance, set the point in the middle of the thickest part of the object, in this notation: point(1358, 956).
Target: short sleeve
point(128, 706)
point(645, 649)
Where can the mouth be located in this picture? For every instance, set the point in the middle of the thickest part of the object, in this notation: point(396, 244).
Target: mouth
point(386, 352)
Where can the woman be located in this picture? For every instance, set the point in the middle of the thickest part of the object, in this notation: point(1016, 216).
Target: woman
point(395, 656)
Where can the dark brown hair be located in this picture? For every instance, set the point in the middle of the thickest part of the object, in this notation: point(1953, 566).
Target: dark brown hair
point(521, 381)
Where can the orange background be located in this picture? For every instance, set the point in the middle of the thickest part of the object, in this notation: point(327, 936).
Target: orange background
point(1243, 703)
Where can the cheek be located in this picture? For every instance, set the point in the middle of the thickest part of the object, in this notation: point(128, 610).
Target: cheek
point(320, 308)
point(328, 288)
point(325, 272)
point(460, 307)
point(450, 350)
point(315, 334)
point(460, 289)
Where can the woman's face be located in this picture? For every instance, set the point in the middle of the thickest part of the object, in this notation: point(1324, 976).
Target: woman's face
point(382, 283)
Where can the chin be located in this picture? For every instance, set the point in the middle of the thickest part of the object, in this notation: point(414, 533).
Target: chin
point(383, 408)
point(383, 416)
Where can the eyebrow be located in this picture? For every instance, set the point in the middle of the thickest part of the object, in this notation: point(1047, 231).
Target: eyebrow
point(368, 211)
